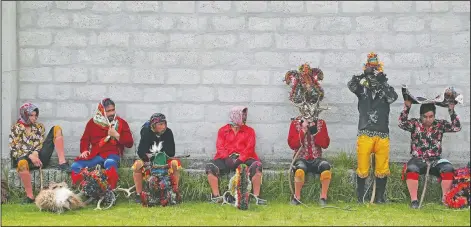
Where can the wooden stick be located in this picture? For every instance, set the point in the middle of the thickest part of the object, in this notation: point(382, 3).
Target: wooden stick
point(425, 185)
point(41, 177)
point(374, 178)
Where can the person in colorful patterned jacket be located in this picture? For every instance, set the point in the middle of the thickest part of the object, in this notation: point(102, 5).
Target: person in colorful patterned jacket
point(375, 96)
point(30, 149)
point(314, 137)
point(426, 146)
point(101, 144)
point(235, 145)
point(153, 132)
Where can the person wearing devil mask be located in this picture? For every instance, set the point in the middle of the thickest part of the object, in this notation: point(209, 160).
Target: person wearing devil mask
point(235, 145)
point(309, 138)
point(426, 146)
point(153, 132)
point(375, 96)
point(103, 142)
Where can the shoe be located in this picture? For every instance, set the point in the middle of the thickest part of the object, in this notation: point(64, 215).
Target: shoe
point(215, 199)
point(295, 201)
point(360, 188)
point(260, 201)
point(27, 200)
point(65, 167)
point(380, 189)
point(414, 204)
point(137, 199)
point(230, 199)
point(322, 202)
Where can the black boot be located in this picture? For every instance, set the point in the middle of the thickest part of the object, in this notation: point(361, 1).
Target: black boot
point(380, 189)
point(360, 188)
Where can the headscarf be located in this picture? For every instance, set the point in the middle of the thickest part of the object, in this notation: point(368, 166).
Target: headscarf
point(100, 116)
point(101, 120)
point(157, 118)
point(236, 116)
point(25, 111)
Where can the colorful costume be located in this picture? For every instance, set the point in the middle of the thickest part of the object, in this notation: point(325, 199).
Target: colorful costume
point(307, 94)
point(95, 185)
point(426, 146)
point(459, 195)
point(374, 99)
point(23, 144)
point(233, 149)
point(161, 183)
point(104, 150)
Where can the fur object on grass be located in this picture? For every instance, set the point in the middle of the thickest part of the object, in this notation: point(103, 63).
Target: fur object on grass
point(57, 197)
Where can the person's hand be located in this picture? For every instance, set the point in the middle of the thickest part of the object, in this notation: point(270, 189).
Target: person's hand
point(451, 106)
point(112, 132)
point(312, 128)
point(84, 154)
point(408, 103)
point(35, 159)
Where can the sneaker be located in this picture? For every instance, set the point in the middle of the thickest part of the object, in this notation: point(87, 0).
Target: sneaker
point(65, 167)
point(27, 200)
point(295, 201)
point(260, 201)
point(215, 199)
point(230, 199)
point(137, 199)
point(414, 204)
point(322, 202)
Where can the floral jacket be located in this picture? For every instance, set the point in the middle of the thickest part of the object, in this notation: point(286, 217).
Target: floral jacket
point(22, 143)
point(427, 143)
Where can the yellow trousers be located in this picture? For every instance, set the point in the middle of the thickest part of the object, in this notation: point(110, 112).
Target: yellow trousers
point(377, 145)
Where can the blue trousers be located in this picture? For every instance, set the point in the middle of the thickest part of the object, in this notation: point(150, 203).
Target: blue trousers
point(110, 161)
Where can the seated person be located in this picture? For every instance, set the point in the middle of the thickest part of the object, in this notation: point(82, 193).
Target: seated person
point(30, 149)
point(153, 132)
point(107, 143)
point(235, 145)
point(426, 146)
point(314, 137)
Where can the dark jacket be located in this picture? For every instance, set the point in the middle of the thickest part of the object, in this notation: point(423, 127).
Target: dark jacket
point(373, 106)
point(147, 140)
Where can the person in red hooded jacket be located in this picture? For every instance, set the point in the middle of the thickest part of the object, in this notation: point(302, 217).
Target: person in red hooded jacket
point(313, 137)
point(101, 144)
point(235, 145)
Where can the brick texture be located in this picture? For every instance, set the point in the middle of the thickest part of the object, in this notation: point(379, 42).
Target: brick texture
point(194, 60)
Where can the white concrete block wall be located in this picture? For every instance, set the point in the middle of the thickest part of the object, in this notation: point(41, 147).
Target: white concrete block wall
point(193, 60)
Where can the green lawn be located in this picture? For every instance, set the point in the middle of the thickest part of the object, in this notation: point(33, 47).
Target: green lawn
point(276, 213)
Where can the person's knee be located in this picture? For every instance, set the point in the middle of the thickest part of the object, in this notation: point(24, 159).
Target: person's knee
point(324, 169)
point(76, 167)
point(255, 168)
point(110, 163)
point(175, 166)
point(323, 166)
point(411, 167)
point(446, 171)
point(57, 131)
point(299, 175)
point(137, 166)
point(211, 168)
point(412, 171)
point(23, 166)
